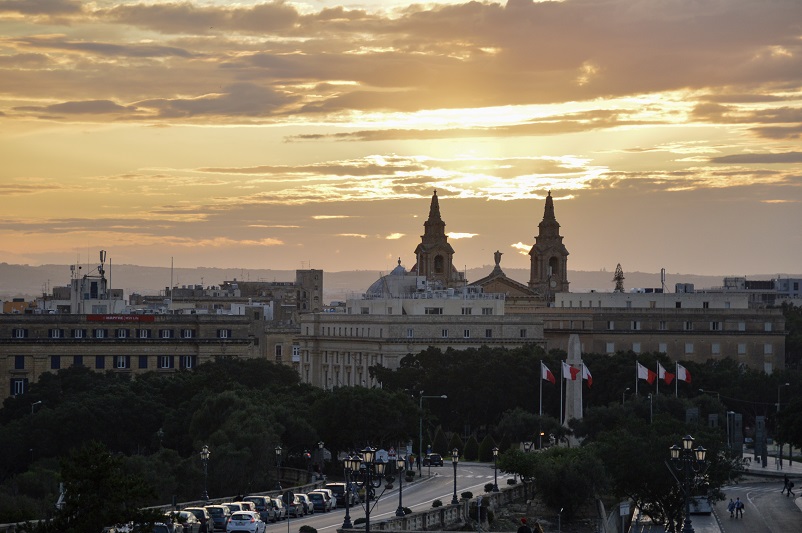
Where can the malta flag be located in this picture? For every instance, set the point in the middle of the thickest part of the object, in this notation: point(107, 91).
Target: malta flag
point(683, 374)
point(546, 374)
point(668, 377)
point(569, 372)
point(645, 373)
point(586, 375)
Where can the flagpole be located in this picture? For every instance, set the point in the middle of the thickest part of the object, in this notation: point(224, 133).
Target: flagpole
point(562, 378)
point(581, 387)
point(657, 384)
point(676, 381)
point(541, 388)
point(637, 378)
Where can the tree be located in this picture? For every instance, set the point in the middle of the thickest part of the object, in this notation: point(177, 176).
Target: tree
point(471, 452)
point(100, 492)
point(486, 449)
point(568, 478)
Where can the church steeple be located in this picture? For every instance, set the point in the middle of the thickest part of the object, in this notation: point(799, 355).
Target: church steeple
point(434, 254)
point(549, 257)
point(434, 227)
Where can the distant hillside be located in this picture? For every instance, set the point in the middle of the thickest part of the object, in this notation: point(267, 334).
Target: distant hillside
point(24, 281)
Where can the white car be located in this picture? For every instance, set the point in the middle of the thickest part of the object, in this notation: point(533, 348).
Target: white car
point(331, 499)
point(246, 522)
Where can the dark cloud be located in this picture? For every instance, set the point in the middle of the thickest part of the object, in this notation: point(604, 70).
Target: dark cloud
point(737, 159)
point(239, 100)
point(794, 132)
point(104, 49)
point(40, 7)
point(90, 107)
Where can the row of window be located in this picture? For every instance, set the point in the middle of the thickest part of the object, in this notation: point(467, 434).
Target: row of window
point(466, 333)
point(715, 348)
point(688, 325)
point(118, 333)
point(116, 361)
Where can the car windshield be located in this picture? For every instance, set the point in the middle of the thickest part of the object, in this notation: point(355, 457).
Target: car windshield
point(215, 511)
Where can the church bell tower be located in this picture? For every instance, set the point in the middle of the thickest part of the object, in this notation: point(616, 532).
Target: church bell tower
point(549, 258)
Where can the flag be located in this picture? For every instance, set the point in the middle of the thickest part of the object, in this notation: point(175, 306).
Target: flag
point(645, 373)
point(546, 374)
point(569, 372)
point(586, 375)
point(683, 374)
point(668, 377)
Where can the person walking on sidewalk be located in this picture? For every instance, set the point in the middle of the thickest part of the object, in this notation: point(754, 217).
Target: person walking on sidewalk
point(790, 490)
point(785, 483)
point(739, 508)
point(731, 508)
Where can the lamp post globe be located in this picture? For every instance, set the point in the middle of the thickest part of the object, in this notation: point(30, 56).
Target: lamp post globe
point(401, 464)
point(454, 461)
point(689, 462)
point(495, 469)
point(204, 456)
point(278, 467)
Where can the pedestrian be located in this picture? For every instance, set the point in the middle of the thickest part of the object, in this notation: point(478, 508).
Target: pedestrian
point(739, 508)
point(790, 489)
point(523, 528)
point(537, 528)
point(731, 508)
point(785, 483)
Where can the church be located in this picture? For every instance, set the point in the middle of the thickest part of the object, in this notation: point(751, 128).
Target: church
point(407, 311)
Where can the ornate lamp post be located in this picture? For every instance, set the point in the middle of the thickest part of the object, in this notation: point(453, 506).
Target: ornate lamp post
point(350, 464)
point(495, 469)
point(204, 456)
point(320, 457)
point(454, 461)
point(401, 463)
point(689, 462)
point(368, 474)
point(278, 467)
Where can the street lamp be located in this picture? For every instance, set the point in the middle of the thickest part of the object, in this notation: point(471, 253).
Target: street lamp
point(401, 463)
point(779, 388)
point(39, 402)
point(454, 461)
point(624, 395)
point(204, 456)
point(350, 463)
point(368, 473)
point(689, 462)
point(320, 456)
point(495, 470)
point(420, 427)
point(718, 394)
point(278, 467)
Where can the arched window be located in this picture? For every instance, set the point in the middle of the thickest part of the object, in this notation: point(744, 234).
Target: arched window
point(439, 264)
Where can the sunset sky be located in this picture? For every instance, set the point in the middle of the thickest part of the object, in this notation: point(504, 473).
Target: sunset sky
point(290, 134)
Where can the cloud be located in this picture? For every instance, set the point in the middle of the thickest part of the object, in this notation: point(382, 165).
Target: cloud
point(785, 157)
point(394, 236)
point(329, 217)
point(462, 235)
point(522, 248)
point(85, 107)
point(40, 7)
point(139, 50)
point(357, 235)
point(238, 100)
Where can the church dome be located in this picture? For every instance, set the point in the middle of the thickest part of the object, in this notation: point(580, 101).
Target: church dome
point(393, 284)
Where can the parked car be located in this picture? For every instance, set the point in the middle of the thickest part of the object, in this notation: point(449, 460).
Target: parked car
point(278, 508)
point(318, 500)
point(203, 517)
point(341, 492)
point(247, 505)
point(294, 508)
point(220, 516)
point(246, 522)
point(188, 520)
point(331, 497)
point(263, 506)
point(433, 459)
point(234, 507)
point(309, 508)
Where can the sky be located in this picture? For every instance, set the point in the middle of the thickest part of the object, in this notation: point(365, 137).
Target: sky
point(311, 134)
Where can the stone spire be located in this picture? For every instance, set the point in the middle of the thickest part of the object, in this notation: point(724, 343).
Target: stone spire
point(548, 273)
point(434, 226)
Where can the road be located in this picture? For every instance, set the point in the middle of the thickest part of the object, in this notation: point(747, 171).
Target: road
point(418, 496)
point(765, 511)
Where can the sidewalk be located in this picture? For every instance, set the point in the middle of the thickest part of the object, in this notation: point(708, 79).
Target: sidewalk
point(773, 467)
point(701, 524)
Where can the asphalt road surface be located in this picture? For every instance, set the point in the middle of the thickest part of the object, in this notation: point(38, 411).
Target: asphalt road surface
point(765, 511)
point(418, 496)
